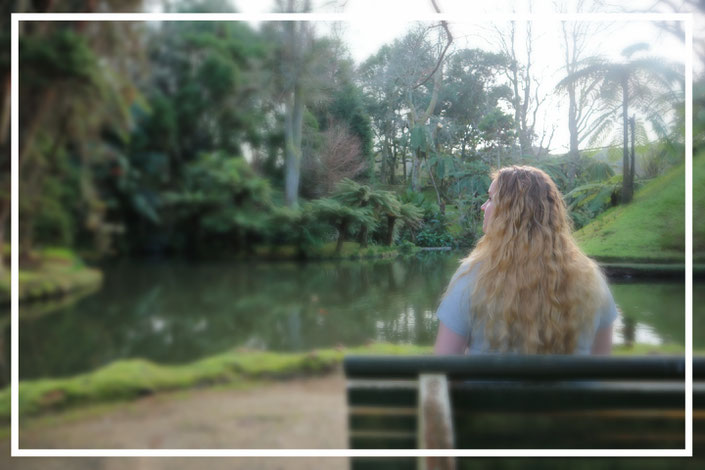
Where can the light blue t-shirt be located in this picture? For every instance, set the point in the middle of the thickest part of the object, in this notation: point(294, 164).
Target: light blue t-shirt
point(454, 313)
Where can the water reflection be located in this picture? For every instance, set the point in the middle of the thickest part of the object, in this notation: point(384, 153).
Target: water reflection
point(652, 313)
point(177, 312)
point(628, 332)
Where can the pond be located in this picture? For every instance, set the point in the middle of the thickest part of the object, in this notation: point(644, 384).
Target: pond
point(175, 312)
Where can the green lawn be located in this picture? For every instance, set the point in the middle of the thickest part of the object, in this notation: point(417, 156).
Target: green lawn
point(652, 227)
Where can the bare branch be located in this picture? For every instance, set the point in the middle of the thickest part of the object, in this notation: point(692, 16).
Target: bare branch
point(449, 37)
point(537, 104)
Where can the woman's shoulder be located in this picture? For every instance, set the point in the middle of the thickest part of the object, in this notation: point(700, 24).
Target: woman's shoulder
point(455, 302)
point(467, 270)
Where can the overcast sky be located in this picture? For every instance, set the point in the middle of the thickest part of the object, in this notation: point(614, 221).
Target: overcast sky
point(377, 22)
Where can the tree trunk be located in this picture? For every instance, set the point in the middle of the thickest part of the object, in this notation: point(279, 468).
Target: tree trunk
point(28, 172)
point(390, 229)
point(520, 79)
point(416, 169)
point(573, 154)
point(516, 99)
point(4, 169)
point(363, 235)
point(292, 139)
point(4, 214)
point(292, 65)
point(403, 167)
point(28, 137)
point(632, 125)
point(5, 119)
point(393, 167)
point(626, 172)
point(342, 228)
point(387, 164)
point(31, 191)
point(441, 203)
point(414, 120)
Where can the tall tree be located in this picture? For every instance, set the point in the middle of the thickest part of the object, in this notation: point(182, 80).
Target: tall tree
point(5, 11)
point(420, 134)
point(582, 96)
point(526, 99)
point(470, 92)
point(72, 88)
point(385, 104)
point(203, 95)
point(412, 75)
point(635, 82)
point(301, 61)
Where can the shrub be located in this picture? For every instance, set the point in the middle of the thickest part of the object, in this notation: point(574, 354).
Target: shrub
point(434, 232)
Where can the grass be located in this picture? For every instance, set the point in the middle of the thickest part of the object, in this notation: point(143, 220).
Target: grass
point(652, 227)
point(128, 379)
point(650, 349)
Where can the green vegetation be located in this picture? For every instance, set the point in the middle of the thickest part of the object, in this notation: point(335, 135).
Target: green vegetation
point(650, 349)
point(215, 139)
point(634, 82)
point(348, 250)
point(221, 140)
point(129, 379)
point(123, 380)
point(54, 272)
point(652, 227)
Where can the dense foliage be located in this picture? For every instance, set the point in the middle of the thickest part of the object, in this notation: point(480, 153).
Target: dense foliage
point(186, 138)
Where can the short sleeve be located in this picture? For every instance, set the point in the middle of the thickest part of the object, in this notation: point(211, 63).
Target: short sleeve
point(608, 312)
point(454, 310)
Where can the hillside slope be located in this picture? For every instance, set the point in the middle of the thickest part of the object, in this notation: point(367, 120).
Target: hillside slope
point(652, 226)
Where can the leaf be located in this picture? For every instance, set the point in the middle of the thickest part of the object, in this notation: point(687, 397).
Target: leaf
point(145, 208)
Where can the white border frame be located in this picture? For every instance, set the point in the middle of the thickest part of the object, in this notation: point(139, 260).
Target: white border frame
point(15, 450)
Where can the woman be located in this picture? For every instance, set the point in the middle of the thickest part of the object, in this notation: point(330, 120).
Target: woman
point(526, 287)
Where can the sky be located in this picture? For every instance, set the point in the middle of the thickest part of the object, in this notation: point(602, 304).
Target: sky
point(377, 22)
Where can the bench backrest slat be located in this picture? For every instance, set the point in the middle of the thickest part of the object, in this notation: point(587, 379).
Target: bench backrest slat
point(529, 401)
point(535, 368)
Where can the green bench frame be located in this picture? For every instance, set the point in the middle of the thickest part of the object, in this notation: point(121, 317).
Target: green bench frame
point(525, 402)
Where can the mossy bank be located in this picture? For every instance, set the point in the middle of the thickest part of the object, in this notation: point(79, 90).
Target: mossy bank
point(54, 273)
point(129, 379)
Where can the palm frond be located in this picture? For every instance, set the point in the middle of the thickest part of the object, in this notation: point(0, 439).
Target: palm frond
point(590, 72)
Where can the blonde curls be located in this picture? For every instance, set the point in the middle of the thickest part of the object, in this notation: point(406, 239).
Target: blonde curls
point(535, 290)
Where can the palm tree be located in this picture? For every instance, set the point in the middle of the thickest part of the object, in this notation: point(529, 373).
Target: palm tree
point(642, 83)
point(410, 215)
point(382, 203)
point(341, 216)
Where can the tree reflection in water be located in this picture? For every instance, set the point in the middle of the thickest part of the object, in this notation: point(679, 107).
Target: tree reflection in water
point(176, 312)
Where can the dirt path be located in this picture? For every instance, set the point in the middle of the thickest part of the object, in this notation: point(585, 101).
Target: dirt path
point(304, 414)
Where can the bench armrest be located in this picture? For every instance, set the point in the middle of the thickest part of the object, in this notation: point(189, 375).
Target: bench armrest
point(435, 421)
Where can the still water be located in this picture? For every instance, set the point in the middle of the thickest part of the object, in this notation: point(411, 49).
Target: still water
point(176, 312)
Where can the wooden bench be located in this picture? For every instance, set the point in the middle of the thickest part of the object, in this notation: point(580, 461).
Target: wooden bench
point(510, 402)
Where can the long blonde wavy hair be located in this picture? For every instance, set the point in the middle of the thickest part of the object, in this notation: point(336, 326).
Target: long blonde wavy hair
point(535, 290)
